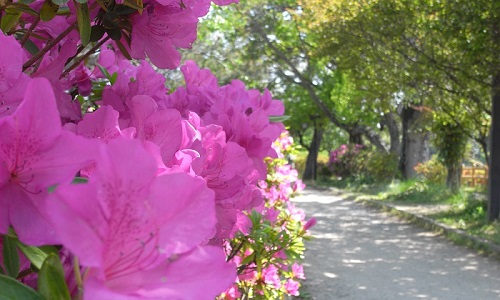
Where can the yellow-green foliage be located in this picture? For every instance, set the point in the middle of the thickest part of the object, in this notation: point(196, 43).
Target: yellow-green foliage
point(432, 170)
point(300, 159)
point(376, 166)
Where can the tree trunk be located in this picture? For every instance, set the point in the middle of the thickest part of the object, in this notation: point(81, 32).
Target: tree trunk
point(414, 142)
point(494, 169)
point(392, 126)
point(311, 169)
point(355, 136)
point(453, 177)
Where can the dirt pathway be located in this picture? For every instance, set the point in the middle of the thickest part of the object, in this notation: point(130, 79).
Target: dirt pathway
point(360, 253)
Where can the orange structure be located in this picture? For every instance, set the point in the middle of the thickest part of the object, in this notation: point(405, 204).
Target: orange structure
point(473, 176)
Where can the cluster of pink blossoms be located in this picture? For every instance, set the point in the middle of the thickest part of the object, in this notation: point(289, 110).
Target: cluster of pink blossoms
point(164, 177)
point(268, 249)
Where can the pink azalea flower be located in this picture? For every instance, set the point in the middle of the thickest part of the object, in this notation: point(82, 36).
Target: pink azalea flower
point(51, 68)
point(298, 271)
point(159, 30)
point(310, 223)
point(148, 82)
point(271, 277)
point(35, 153)
point(12, 79)
point(232, 293)
point(161, 127)
point(142, 232)
point(103, 125)
point(292, 287)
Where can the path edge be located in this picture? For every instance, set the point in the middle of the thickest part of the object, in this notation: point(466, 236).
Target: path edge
point(457, 236)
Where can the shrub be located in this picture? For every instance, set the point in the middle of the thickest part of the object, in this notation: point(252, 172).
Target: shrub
point(343, 159)
point(376, 166)
point(432, 170)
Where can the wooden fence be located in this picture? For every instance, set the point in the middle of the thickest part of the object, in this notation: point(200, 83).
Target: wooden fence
point(473, 176)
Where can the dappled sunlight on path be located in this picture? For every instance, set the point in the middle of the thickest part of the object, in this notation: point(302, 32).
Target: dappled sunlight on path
point(360, 253)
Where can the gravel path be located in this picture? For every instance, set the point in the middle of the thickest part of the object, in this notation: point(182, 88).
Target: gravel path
point(360, 253)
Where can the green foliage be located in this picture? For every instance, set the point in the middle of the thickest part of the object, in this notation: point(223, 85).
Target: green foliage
point(343, 160)
point(51, 281)
point(10, 256)
point(83, 18)
point(10, 289)
point(450, 141)
point(273, 241)
point(432, 171)
point(376, 166)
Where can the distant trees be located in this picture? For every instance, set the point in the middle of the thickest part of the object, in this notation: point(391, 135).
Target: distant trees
point(382, 71)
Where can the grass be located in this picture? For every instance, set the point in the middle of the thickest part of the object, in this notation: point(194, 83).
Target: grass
point(467, 208)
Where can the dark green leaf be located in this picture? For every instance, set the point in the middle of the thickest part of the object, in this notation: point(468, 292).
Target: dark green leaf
point(96, 33)
point(36, 255)
point(136, 4)
point(9, 21)
point(124, 10)
point(82, 1)
point(27, 1)
point(10, 256)
point(2, 271)
point(11, 289)
point(13, 7)
point(48, 11)
point(51, 283)
point(104, 71)
point(31, 47)
point(83, 18)
point(123, 50)
point(114, 33)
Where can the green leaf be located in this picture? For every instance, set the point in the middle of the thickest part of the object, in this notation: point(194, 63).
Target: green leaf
point(135, 4)
point(96, 33)
point(2, 271)
point(63, 11)
point(83, 18)
point(10, 256)
point(114, 33)
point(79, 180)
point(31, 47)
point(9, 20)
point(104, 71)
point(51, 283)
point(16, 7)
point(277, 119)
point(113, 78)
point(123, 50)
point(60, 2)
point(11, 289)
point(82, 1)
point(48, 11)
point(36, 255)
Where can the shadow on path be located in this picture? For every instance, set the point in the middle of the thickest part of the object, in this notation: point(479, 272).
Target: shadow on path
point(360, 253)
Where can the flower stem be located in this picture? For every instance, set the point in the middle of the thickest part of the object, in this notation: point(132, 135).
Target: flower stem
point(78, 277)
point(30, 30)
point(83, 57)
point(49, 46)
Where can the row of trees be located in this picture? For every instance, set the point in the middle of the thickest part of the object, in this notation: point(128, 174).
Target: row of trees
point(394, 74)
